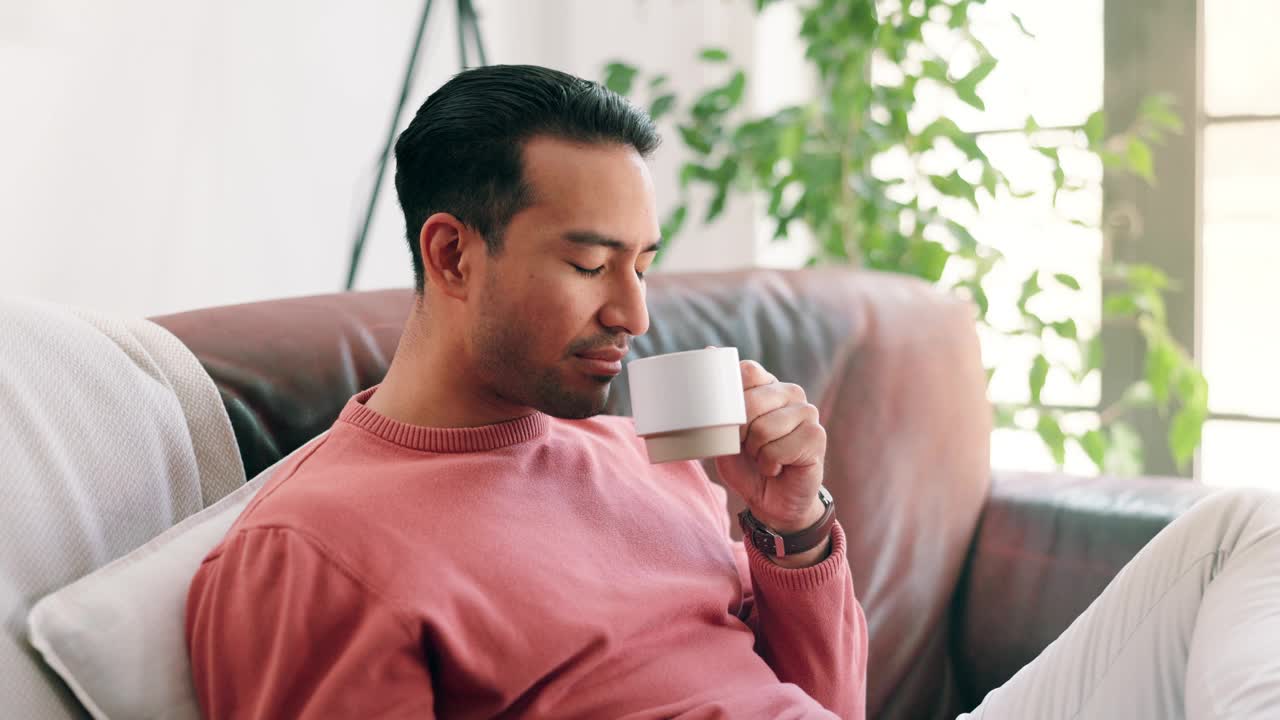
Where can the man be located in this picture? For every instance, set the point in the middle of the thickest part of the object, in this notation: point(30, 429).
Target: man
point(469, 539)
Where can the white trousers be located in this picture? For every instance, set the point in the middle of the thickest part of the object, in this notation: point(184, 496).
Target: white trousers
point(1190, 628)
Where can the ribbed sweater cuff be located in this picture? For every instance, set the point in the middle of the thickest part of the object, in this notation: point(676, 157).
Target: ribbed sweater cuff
point(811, 578)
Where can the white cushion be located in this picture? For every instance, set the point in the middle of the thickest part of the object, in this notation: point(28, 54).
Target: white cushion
point(117, 636)
point(110, 432)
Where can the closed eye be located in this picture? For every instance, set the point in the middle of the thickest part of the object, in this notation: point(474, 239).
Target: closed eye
point(593, 272)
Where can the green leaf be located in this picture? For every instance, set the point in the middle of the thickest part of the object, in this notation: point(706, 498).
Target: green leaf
point(790, 140)
point(1140, 162)
point(1124, 451)
point(979, 72)
point(1067, 280)
point(1094, 445)
point(1187, 424)
point(673, 224)
point(1159, 111)
point(657, 81)
point(979, 298)
point(1039, 373)
point(991, 179)
point(714, 54)
point(1095, 128)
point(954, 185)
point(1021, 26)
point(928, 260)
point(619, 76)
point(1111, 159)
point(692, 171)
point(1141, 276)
point(717, 204)
point(1051, 433)
point(1184, 434)
point(1162, 364)
point(662, 105)
point(1191, 385)
point(1030, 287)
point(713, 104)
point(694, 138)
point(1119, 305)
point(1092, 354)
point(727, 171)
point(935, 70)
point(968, 144)
point(970, 97)
point(962, 235)
point(734, 88)
point(1065, 329)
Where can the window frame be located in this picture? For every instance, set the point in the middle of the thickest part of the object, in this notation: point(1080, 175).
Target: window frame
point(1145, 46)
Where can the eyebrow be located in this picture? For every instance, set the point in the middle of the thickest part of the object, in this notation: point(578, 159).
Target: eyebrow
point(586, 237)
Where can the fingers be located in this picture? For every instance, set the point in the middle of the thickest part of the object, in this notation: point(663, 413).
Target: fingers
point(764, 399)
point(805, 445)
point(754, 375)
point(777, 424)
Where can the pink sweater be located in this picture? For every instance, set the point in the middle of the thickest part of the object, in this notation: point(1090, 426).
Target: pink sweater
point(540, 568)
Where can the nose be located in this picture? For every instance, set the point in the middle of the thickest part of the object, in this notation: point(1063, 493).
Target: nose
point(624, 311)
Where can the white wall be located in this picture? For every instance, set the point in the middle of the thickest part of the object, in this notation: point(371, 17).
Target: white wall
point(157, 156)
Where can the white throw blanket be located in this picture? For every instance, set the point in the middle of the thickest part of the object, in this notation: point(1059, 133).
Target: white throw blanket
point(110, 432)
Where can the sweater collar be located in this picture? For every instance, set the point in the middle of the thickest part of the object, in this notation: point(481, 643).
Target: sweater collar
point(443, 440)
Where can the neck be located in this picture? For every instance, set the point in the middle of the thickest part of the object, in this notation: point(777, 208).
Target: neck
point(427, 386)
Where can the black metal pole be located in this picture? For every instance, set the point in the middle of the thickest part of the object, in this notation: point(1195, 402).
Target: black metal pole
point(473, 23)
point(357, 248)
point(462, 35)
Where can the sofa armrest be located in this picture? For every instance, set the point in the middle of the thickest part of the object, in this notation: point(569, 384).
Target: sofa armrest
point(1046, 546)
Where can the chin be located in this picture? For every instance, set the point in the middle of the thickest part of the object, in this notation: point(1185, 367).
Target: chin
point(579, 405)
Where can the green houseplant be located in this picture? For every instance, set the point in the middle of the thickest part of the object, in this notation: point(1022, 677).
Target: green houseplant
point(812, 165)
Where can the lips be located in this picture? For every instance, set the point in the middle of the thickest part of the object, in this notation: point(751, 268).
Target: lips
point(604, 362)
point(609, 354)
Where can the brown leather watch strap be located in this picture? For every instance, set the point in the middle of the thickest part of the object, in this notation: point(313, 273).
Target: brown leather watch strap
point(778, 545)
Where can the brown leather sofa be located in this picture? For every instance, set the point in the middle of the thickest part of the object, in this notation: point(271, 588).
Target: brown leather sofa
point(965, 575)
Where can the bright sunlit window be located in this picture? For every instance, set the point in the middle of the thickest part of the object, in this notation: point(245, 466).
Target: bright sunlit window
point(1240, 244)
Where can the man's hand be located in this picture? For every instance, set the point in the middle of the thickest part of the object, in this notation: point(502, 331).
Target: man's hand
point(779, 470)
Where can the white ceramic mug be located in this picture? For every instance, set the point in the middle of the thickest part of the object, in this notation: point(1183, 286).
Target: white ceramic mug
point(688, 405)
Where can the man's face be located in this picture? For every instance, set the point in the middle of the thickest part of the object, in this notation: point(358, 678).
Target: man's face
point(559, 303)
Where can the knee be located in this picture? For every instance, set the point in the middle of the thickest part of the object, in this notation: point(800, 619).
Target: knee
point(1235, 516)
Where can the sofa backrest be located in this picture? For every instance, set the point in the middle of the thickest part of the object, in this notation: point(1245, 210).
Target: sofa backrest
point(893, 365)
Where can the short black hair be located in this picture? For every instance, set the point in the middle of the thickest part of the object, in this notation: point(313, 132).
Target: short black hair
point(462, 152)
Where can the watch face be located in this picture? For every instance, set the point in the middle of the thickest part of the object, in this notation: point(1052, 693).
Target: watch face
point(753, 531)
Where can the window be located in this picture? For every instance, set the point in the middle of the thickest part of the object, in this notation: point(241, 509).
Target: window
point(1056, 77)
point(1239, 297)
point(1212, 222)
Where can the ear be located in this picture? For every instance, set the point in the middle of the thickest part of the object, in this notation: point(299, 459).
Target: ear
point(447, 248)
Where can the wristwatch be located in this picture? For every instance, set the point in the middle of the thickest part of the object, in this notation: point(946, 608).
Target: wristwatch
point(774, 544)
